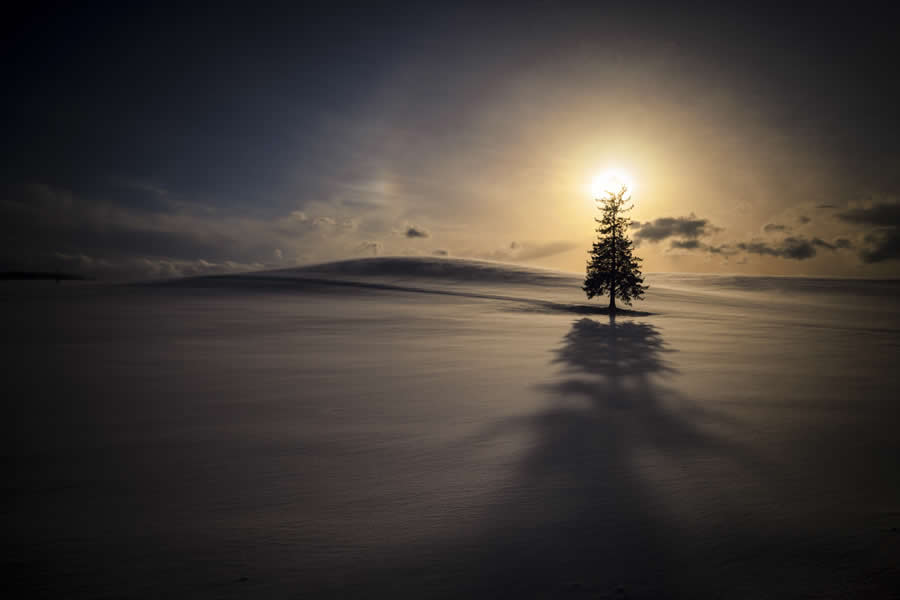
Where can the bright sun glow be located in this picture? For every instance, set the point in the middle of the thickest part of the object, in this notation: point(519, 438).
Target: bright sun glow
point(611, 180)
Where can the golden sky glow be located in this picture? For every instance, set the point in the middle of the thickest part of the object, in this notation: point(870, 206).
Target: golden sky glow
point(611, 180)
point(494, 148)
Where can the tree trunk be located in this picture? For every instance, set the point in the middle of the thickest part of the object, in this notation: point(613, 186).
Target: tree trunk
point(612, 301)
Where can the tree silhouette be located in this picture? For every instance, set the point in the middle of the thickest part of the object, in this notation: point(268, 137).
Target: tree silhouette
point(612, 269)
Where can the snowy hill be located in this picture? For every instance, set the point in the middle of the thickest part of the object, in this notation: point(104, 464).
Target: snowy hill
point(451, 428)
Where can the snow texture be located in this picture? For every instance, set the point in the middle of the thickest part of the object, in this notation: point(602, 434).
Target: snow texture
point(430, 428)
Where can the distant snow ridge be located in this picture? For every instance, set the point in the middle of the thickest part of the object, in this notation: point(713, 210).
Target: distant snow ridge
point(454, 269)
point(517, 288)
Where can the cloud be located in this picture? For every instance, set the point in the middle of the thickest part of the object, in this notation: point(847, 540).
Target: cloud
point(690, 227)
point(839, 244)
point(298, 222)
point(690, 245)
point(145, 267)
point(686, 244)
point(881, 246)
point(324, 221)
point(140, 185)
point(369, 248)
point(793, 248)
point(884, 214)
point(523, 251)
point(799, 252)
point(42, 222)
point(527, 251)
point(416, 232)
point(883, 239)
point(686, 233)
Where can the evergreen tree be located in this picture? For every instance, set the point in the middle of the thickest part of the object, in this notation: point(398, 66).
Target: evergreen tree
point(612, 269)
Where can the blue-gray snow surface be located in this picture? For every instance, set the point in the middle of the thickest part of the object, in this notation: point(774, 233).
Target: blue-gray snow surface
point(408, 427)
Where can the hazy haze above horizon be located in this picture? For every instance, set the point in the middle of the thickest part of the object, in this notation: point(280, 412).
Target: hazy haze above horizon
point(150, 141)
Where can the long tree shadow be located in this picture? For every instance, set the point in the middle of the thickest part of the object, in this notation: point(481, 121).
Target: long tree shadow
point(585, 514)
point(599, 531)
point(613, 350)
point(623, 366)
point(588, 510)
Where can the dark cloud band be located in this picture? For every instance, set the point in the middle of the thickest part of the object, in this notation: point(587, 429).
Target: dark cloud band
point(416, 232)
point(882, 243)
point(690, 227)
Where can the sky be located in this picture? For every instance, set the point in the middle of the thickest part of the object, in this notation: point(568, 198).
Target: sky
point(159, 141)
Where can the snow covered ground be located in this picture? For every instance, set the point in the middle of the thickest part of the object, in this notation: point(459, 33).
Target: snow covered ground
point(443, 428)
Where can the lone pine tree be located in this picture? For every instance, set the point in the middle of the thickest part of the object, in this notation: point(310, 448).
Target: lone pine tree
point(612, 269)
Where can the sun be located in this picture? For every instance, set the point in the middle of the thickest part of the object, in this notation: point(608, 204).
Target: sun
point(611, 180)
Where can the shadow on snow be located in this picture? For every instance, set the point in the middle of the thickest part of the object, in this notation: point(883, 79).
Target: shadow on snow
point(584, 513)
point(251, 283)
